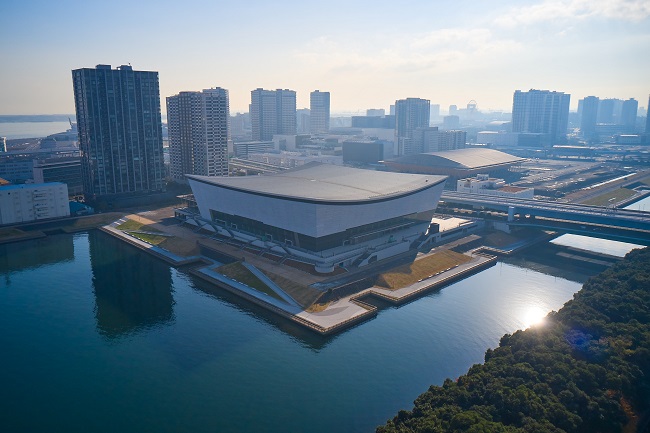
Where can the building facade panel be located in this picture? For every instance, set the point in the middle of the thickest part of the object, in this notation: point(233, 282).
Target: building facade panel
point(32, 202)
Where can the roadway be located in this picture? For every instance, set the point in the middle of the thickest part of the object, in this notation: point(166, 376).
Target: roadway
point(632, 220)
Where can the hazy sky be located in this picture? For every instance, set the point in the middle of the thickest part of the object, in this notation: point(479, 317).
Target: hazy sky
point(366, 53)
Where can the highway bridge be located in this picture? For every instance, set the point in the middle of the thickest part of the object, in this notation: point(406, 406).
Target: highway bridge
point(610, 223)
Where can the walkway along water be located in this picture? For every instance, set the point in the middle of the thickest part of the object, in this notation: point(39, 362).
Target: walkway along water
point(338, 315)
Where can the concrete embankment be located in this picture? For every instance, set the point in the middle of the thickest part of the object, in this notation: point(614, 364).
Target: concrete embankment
point(162, 254)
point(340, 314)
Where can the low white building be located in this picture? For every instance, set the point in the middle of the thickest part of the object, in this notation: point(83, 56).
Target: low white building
point(32, 202)
point(498, 138)
point(294, 159)
point(244, 148)
point(483, 184)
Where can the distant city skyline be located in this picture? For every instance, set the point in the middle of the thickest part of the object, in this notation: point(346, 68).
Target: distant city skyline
point(367, 55)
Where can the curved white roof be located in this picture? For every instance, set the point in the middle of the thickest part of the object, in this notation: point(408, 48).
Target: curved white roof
point(469, 158)
point(315, 182)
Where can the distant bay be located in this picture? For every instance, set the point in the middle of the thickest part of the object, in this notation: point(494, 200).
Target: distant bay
point(13, 118)
point(16, 130)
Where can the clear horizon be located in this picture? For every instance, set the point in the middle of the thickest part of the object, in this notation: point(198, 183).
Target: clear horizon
point(366, 54)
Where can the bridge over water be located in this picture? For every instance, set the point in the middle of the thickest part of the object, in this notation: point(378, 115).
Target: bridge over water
point(610, 223)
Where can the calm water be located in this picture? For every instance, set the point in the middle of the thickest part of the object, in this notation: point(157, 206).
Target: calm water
point(97, 336)
point(31, 129)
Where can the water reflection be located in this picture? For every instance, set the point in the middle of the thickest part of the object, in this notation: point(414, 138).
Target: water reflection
point(545, 258)
point(20, 256)
point(303, 336)
point(533, 315)
point(132, 290)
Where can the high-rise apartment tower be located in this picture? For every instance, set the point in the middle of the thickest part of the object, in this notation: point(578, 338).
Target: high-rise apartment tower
point(589, 116)
point(542, 112)
point(198, 133)
point(319, 105)
point(272, 112)
point(629, 110)
point(410, 114)
point(120, 132)
point(647, 118)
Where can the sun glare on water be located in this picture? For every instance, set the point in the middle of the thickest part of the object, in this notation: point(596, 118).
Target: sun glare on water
point(533, 316)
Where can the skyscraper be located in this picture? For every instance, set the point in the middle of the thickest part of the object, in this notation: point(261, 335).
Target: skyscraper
point(410, 114)
point(319, 104)
point(272, 112)
point(543, 112)
point(452, 140)
point(607, 110)
point(120, 132)
point(647, 118)
point(426, 139)
point(198, 133)
point(435, 111)
point(628, 114)
point(589, 116)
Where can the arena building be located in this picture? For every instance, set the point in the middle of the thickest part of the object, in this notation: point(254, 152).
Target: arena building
point(323, 214)
point(457, 164)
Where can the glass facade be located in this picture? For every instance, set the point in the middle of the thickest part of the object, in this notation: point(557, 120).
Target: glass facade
point(350, 236)
point(120, 131)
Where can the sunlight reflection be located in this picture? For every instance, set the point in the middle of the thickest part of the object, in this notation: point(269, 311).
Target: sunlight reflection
point(533, 316)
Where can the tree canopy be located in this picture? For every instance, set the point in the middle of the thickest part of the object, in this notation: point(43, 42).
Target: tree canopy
point(586, 370)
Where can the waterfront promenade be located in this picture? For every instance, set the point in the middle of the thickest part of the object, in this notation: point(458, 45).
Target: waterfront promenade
point(327, 318)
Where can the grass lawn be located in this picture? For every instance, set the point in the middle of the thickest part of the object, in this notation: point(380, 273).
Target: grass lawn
point(152, 239)
point(317, 308)
point(239, 272)
point(96, 220)
point(406, 275)
point(304, 295)
point(610, 197)
point(179, 246)
point(131, 225)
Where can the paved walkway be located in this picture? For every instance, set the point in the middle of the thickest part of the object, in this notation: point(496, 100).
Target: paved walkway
point(169, 256)
point(335, 317)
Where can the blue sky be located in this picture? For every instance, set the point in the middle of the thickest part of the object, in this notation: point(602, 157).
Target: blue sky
point(366, 53)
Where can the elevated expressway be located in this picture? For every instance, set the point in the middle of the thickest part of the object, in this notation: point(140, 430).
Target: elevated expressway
point(610, 223)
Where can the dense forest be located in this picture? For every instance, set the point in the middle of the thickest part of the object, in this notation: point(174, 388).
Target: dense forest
point(587, 369)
